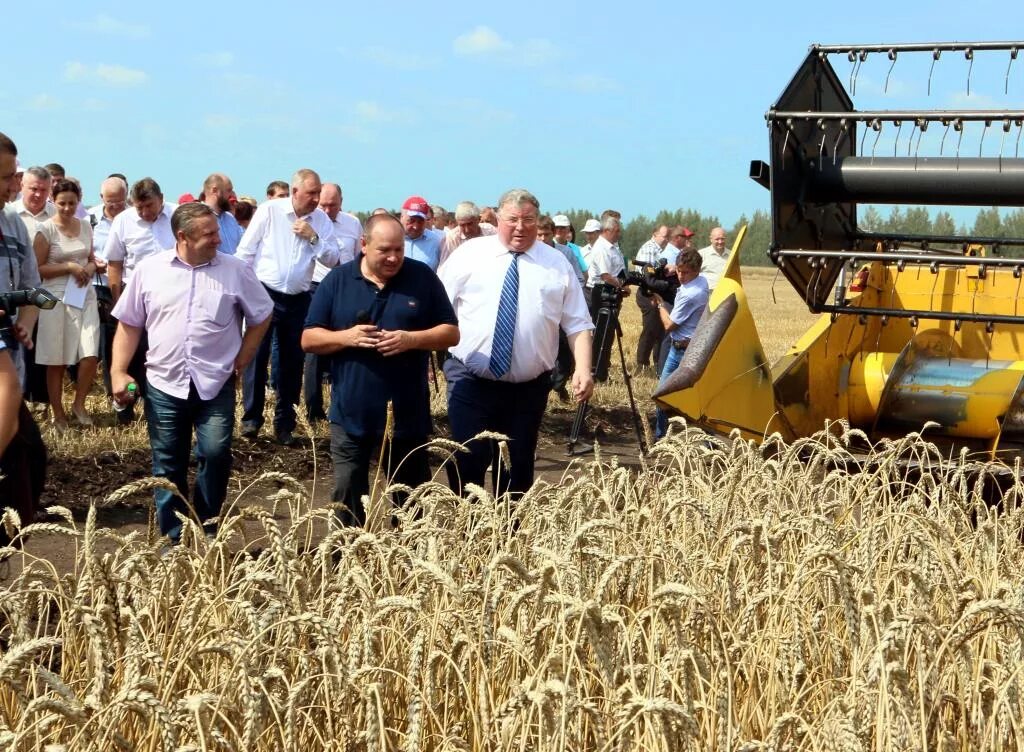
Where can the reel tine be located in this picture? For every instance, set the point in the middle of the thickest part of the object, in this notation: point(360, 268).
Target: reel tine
point(876, 125)
point(1006, 80)
point(969, 54)
point(981, 142)
point(942, 144)
point(892, 56)
point(899, 129)
point(958, 126)
point(935, 58)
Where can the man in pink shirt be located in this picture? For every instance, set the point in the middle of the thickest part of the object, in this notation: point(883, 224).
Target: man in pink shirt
point(191, 302)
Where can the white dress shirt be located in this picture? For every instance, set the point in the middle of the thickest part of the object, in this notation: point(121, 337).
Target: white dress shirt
point(284, 261)
point(132, 239)
point(101, 225)
point(549, 298)
point(605, 258)
point(348, 232)
point(32, 221)
point(712, 264)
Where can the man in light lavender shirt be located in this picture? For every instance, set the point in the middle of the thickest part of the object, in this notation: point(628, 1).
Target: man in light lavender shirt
point(191, 302)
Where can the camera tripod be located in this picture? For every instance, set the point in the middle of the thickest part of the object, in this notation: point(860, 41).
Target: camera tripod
point(607, 332)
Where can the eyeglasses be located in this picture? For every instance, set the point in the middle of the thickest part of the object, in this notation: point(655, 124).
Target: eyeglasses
point(522, 221)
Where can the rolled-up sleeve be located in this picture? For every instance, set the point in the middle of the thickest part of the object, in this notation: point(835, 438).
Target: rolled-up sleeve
point(115, 250)
point(328, 251)
point(252, 238)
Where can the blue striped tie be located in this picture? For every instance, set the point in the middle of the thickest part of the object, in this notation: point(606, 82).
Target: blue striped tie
point(505, 325)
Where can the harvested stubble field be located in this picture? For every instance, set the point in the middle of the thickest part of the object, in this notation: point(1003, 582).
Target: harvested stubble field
point(713, 596)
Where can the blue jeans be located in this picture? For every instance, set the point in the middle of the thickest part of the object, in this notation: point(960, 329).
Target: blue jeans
point(171, 421)
point(285, 333)
point(672, 361)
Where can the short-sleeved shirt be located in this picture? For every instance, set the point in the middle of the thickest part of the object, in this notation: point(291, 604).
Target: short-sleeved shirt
point(193, 318)
point(230, 233)
point(131, 238)
point(425, 248)
point(363, 380)
point(605, 258)
point(18, 267)
point(712, 265)
point(670, 254)
point(691, 299)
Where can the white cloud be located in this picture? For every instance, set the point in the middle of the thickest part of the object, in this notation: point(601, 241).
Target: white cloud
point(585, 83)
point(219, 59)
point(220, 121)
point(43, 102)
point(973, 101)
point(107, 25)
point(373, 112)
point(398, 59)
point(483, 40)
point(103, 74)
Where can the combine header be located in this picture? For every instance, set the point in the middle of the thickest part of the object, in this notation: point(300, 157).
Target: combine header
point(914, 328)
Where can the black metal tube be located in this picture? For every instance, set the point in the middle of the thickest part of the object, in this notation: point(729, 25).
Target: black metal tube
point(905, 237)
point(931, 116)
point(905, 313)
point(897, 256)
point(967, 181)
point(831, 49)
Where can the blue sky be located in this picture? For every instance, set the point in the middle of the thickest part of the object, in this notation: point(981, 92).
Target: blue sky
point(639, 106)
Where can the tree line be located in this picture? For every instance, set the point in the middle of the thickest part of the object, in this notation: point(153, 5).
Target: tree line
point(991, 222)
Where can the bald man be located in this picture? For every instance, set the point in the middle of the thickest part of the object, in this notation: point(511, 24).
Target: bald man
point(713, 258)
point(113, 199)
point(217, 191)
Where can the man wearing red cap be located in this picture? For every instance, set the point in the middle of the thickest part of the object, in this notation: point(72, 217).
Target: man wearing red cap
point(421, 244)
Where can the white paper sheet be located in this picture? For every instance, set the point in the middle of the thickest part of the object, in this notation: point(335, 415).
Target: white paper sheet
point(74, 295)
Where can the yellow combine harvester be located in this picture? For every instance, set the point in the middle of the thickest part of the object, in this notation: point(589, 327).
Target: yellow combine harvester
point(909, 333)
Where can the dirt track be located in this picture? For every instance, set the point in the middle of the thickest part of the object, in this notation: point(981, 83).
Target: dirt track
point(77, 482)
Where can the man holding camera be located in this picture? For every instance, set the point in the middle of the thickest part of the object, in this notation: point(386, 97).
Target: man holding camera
point(680, 318)
point(606, 262)
point(22, 453)
point(648, 346)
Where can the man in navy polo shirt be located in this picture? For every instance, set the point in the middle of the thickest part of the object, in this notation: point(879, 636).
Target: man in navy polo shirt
point(376, 319)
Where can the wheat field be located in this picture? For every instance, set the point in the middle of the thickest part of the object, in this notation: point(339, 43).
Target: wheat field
point(717, 596)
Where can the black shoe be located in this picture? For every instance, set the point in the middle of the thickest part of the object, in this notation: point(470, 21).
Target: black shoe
point(285, 438)
point(249, 431)
point(563, 393)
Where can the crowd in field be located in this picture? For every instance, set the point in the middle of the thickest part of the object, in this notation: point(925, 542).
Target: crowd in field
point(184, 302)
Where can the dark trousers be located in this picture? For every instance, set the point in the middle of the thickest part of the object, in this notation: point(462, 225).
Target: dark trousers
point(476, 405)
point(107, 330)
point(285, 333)
point(137, 370)
point(565, 365)
point(666, 348)
point(648, 347)
point(405, 461)
point(170, 421)
point(22, 471)
point(313, 371)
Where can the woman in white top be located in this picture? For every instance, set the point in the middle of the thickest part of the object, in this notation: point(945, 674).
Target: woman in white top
point(68, 333)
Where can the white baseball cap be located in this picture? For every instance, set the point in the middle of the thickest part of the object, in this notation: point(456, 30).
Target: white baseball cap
point(592, 225)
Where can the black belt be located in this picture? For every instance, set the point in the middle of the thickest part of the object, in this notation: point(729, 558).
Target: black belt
point(680, 344)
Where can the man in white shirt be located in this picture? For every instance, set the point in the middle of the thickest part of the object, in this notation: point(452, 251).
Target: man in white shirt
point(591, 231)
point(467, 227)
point(217, 190)
point(34, 206)
point(283, 241)
point(138, 232)
point(713, 258)
point(113, 198)
point(511, 295)
point(606, 263)
point(348, 233)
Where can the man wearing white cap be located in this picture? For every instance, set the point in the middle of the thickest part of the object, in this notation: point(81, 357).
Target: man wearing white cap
point(591, 229)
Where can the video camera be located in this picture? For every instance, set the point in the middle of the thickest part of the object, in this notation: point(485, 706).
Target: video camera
point(11, 301)
point(654, 279)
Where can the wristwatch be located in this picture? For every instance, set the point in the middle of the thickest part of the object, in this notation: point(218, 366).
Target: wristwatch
point(314, 240)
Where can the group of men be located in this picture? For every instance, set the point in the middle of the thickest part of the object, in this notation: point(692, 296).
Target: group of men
point(203, 304)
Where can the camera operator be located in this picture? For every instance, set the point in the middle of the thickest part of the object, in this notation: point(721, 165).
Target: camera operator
point(22, 454)
point(606, 262)
point(648, 346)
point(680, 318)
